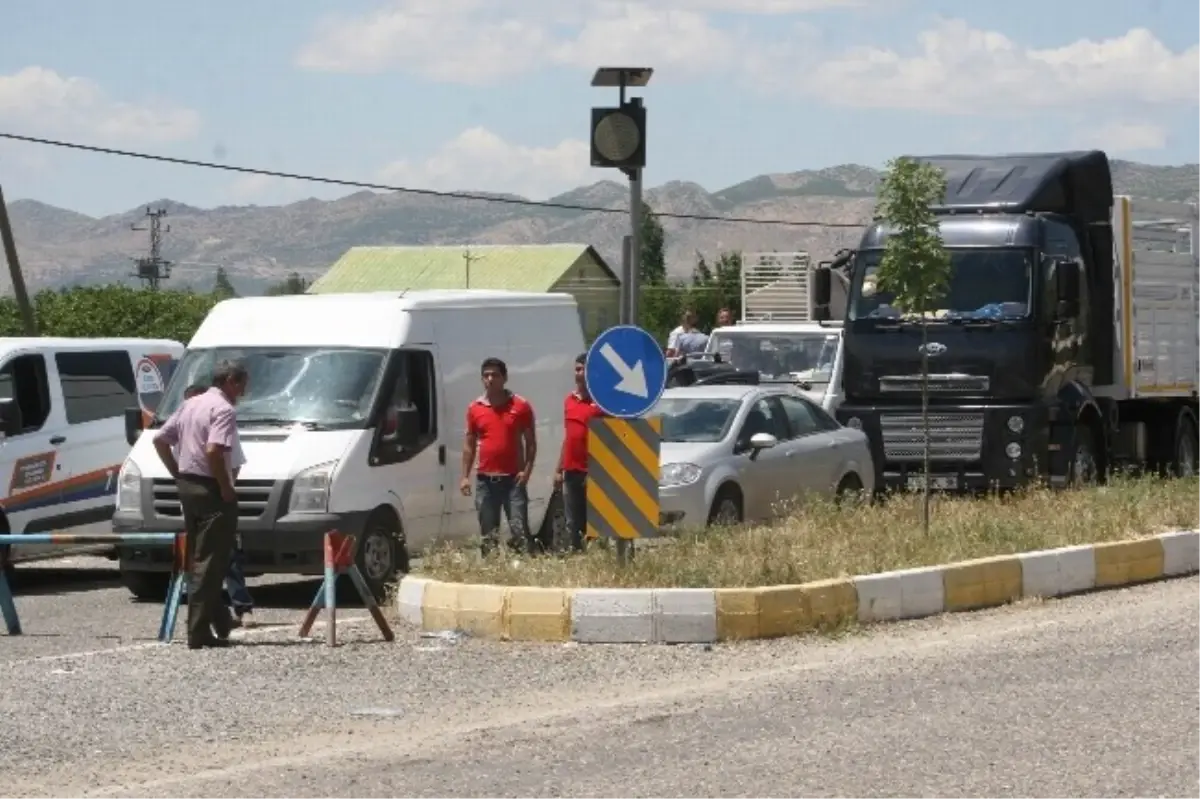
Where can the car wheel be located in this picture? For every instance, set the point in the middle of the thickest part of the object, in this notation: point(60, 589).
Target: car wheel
point(850, 491)
point(726, 509)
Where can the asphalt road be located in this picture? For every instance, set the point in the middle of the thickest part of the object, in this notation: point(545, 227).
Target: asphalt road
point(1089, 696)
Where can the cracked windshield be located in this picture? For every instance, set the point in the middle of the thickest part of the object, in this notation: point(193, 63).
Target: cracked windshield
point(984, 285)
point(315, 386)
point(695, 421)
point(799, 356)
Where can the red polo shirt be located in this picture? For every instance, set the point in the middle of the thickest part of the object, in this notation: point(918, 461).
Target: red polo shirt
point(498, 429)
point(577, 413)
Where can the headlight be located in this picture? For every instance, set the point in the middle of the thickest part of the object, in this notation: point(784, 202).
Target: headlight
point(1013, 450)
point(310, 490)
point(678, 474)
point(854, 423)
point(1016, 424)
point(129, 488)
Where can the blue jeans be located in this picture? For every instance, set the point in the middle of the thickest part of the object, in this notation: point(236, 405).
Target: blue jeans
point(500, 493)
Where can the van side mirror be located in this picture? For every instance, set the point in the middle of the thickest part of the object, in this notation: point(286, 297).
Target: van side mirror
point(134, 424)
point(822, 292)
point(10, 417)
point(1066, 281)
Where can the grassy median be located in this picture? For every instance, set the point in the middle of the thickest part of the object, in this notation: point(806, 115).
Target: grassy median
point(822, 540)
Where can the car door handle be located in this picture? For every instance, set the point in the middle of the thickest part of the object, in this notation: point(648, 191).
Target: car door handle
point(56, 440)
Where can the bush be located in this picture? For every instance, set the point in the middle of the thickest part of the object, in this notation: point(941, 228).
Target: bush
point(111, 311)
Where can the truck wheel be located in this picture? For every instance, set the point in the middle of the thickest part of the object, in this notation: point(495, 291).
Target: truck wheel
point(1083, 468)
point(381, 555)
point(146, 586)
point(1185, 447)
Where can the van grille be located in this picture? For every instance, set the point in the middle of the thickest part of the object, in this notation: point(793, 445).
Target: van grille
point(253, 496)
point(952, 436)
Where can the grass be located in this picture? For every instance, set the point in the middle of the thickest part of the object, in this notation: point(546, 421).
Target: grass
point(822, 541)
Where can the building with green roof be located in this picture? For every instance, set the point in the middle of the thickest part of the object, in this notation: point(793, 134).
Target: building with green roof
point(575, 269)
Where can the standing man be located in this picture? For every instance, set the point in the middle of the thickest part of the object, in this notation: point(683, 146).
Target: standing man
point(205, 430)
point(579, 409)
point(500, 429)
point(686, 339)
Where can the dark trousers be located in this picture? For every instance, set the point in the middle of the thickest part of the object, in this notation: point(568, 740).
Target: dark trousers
point(211, 525)
point(575, 506)
point(496, 494)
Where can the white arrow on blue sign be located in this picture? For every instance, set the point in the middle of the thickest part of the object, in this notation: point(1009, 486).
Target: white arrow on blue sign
point(626, 371)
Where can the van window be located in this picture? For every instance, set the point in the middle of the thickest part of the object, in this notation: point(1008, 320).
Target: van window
point(95, 385)
point(415, 385)
point(24, 379)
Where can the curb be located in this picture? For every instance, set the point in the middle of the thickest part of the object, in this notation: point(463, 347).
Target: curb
point(708, 615)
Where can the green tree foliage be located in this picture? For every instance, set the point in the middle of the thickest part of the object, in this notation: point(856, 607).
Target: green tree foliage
point(915, 267)
point(292, 284)
point(110, 311)
point(654, 249)
point(222, 285)
point(715, 287)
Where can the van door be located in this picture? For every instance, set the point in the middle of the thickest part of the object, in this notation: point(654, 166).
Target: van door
point(29, 456)
point(416, 474)
point(97, 387)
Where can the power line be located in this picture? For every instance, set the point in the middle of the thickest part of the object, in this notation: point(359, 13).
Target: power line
point(449, 195)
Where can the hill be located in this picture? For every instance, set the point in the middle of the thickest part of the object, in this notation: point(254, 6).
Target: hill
point(260, 245)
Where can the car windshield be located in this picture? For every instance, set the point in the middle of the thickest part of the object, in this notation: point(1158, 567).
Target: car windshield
point(984, 284)
point(806, 356)
point(319, 386)
point(694, 420)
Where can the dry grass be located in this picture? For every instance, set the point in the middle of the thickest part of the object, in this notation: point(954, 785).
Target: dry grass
point(824, 541)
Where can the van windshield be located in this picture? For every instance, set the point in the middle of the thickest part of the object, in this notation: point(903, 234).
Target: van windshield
point(325, 387)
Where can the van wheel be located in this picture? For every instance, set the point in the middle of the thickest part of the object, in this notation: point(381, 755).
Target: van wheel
point(552, 537)
point(381, 554)
point(146, 586)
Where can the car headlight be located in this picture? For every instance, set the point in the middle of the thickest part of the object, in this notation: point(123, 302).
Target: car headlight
point(678, 474)
point(129, 488)
point(310, 489)
point(1016, 424)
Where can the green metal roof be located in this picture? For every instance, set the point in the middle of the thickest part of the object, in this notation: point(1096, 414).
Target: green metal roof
point(515, 268)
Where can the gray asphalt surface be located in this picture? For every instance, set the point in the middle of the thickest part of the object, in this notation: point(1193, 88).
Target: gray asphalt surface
point(1089, 696)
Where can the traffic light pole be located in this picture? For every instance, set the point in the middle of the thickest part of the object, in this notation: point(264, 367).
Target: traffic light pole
point(634, 276)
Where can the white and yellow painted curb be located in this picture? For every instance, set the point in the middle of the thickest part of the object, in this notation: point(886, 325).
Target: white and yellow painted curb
point(705, 615)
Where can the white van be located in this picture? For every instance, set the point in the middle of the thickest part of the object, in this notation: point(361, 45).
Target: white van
point(62, 431)
point(354, 420)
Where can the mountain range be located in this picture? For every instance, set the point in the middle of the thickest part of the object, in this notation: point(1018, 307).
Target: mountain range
point(260, 245)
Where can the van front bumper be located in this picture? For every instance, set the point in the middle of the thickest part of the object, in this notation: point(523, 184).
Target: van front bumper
point(274, 541)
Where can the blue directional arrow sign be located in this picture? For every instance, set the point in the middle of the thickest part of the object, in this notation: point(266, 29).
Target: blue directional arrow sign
point(626, 371)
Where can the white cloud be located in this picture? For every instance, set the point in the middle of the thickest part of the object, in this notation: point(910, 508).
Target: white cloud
point(40, 100)
point(958, 69)
point(478, 160)
point(1123, 137)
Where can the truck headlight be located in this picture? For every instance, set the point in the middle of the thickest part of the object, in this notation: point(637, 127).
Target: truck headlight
point(310, 489)
point(1016, 424)
point(129, 488)
point(678, 474)
point(1013, 450)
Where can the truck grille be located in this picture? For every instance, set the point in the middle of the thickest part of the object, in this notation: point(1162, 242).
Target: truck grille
point(253, 496)
point(938, 384)
point(952, 436)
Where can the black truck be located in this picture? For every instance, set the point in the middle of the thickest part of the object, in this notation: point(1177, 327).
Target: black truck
point(1066, 344)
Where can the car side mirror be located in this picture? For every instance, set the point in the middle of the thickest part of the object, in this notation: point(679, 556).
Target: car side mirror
point(822, 292)
point(10, 417)
point(761, 441)
point(134, 424)
point(1066, 281)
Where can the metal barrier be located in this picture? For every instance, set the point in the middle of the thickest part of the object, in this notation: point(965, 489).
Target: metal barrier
point(339, 560)
point(166, 628)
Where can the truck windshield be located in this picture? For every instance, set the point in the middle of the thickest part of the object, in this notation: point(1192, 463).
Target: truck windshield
point(322, 387)
point(805, 356)
point(984, 284)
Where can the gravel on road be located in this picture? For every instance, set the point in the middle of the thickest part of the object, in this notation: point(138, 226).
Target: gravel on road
point(1094, 695)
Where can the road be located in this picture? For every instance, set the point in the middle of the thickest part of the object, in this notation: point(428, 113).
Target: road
point(1089, 696)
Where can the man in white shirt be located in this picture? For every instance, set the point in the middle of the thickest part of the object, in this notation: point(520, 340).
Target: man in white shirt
point(686, 339)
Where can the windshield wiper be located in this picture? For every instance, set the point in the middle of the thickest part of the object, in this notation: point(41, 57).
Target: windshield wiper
point(279, 421)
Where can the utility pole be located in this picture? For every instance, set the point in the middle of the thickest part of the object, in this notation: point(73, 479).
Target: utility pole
point(468, 259)
point(154, 268)
point(14, 270)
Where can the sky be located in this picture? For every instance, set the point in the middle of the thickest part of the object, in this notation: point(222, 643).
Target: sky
point(494, 95)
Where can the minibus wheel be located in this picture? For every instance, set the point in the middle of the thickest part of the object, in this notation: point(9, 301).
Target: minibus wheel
point(381, 556)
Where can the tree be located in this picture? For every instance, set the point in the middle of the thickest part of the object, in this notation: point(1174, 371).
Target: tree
point(654, 249)
point(104, 311)
point(292, 284)
point(222, 286)
point(915, 267)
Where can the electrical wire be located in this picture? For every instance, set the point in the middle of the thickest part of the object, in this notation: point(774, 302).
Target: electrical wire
point(449, 195)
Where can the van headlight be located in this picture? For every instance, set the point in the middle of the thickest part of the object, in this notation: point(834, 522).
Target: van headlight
point(129, 489)
point(310, 489)
point(678, 474)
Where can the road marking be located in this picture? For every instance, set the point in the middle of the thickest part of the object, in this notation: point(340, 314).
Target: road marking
point(236, 635)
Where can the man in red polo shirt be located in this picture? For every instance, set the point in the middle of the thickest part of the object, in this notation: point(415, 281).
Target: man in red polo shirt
point(578, 411)
point(500, 430)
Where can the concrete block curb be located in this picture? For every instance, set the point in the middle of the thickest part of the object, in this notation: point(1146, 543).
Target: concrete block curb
point(708, 615)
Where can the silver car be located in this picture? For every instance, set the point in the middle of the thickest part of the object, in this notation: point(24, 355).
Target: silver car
point(733, 453)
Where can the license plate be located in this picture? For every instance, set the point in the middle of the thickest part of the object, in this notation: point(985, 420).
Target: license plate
point(937, 482)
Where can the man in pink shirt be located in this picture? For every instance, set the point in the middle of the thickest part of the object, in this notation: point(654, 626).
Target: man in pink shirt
point(204, 429)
